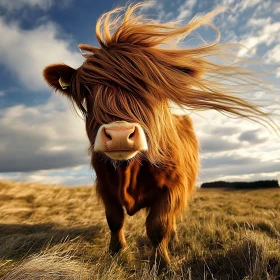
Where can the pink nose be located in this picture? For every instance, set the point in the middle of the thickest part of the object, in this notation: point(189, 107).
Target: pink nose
point(120, 138)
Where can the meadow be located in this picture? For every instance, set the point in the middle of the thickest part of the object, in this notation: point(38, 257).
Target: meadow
point(57, 232)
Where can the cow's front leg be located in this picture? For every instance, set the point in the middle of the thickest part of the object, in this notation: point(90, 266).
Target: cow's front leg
point(115, 218)
point(159, 225)
point(174, 240)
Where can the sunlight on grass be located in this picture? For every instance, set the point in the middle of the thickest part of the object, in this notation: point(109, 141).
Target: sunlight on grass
point(55, 232)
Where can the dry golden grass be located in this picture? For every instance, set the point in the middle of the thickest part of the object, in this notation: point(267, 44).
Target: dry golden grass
point(56, 232)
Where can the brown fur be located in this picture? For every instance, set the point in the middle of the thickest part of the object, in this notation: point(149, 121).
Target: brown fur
point(131, 78)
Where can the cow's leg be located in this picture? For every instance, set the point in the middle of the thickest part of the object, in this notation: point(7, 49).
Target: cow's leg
point(159, 226)
point(174, 240)
point(115, 218)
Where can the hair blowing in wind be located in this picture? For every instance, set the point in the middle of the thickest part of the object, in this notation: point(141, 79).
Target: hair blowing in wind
point(132, 56)
point(140, 56)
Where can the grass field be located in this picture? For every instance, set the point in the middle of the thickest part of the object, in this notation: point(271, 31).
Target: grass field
point(56, 232)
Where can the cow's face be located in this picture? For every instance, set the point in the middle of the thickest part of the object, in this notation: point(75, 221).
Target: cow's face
point(119, 125)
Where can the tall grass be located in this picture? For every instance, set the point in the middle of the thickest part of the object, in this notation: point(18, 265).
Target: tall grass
point(54, 232)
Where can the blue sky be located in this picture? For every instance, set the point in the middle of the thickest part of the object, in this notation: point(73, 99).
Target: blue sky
point(43, 140)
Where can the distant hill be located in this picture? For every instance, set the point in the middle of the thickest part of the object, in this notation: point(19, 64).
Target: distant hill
point(242, 185)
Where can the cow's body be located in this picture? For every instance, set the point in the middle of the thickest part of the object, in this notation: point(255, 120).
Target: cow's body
point(139, 184)
point(143, 156)
point(136, 184)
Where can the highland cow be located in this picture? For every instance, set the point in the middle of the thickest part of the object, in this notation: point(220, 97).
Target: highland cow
point(143, 155)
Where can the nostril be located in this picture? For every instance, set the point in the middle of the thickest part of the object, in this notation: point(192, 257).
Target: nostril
point(131, 134)
point(107, 135)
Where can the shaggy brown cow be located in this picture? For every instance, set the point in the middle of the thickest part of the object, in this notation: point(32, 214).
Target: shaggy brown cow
point(143, 155)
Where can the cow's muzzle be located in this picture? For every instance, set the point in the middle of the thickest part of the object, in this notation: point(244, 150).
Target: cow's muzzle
point(120, 140)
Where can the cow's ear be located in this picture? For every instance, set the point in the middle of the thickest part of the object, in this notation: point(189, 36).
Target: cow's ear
point(59, 77)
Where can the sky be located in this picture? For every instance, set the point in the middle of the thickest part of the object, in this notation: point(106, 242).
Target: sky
point(42, 139)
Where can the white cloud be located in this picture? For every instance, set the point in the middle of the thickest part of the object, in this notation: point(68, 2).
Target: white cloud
point(258, 22)
point(80, 175)
point(186, 9)
point(47, 136)
point(12, 6)
point(246, 4)
point(236, 8)
point(235, 148)
point(2, 93)
point(273, 55)
point(277, 10)
point(267, 35)
point(26, 52)
point(19, 4)
point(227, 3)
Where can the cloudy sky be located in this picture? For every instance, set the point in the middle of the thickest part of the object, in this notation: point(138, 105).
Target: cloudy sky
point(43, 140)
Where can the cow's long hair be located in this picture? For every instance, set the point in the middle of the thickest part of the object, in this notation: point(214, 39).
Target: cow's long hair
point(133, 77)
